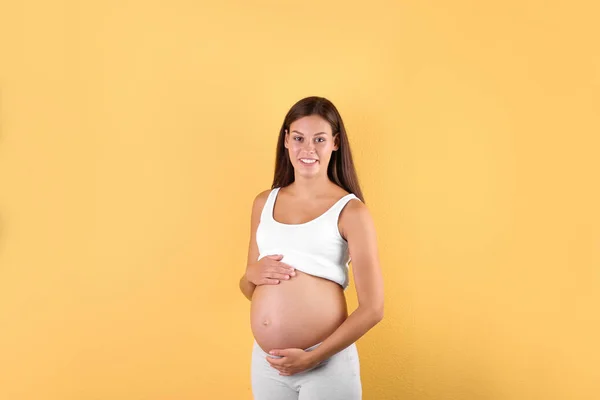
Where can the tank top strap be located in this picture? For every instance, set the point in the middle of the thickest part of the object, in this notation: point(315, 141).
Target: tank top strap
point(267, 211)
point(337, 208)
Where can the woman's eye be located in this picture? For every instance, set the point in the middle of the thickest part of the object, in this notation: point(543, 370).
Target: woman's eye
point(319, 140)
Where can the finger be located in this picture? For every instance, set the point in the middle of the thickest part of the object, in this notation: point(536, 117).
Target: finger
point(277, 367)
point(281, 270)
point(268, 281)
point(276, 275)
point(275, 362)
point(279, 265)
point(280, 352)
point(286, 270)
point(276, 256)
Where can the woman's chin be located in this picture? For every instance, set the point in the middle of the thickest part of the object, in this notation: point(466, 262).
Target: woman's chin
point(308, 173)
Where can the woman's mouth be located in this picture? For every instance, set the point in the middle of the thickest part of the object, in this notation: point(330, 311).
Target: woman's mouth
point(309, 162)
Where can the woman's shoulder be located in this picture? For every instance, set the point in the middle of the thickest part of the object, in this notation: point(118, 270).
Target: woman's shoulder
point(354, 216)
point(261, 198)
point(354, 201)
point(354, 208)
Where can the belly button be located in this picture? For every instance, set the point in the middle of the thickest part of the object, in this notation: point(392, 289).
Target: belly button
point(266, 322)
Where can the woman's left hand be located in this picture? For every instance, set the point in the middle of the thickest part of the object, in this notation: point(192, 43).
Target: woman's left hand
point(292, 362)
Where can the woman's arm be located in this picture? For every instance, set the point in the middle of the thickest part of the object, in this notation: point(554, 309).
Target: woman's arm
point(246, 286)
point(358, 228)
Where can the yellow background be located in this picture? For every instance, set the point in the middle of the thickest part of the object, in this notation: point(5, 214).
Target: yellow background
point(134, 136)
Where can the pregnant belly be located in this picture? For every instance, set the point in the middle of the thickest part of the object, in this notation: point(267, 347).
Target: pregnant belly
point(298, 313)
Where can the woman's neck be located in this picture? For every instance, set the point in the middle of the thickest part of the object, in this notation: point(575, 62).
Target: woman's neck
point(310, 188)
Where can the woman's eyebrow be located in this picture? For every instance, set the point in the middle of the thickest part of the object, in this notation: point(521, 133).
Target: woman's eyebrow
point(320, 133)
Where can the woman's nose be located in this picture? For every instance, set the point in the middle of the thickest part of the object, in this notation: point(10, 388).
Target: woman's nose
point(310, 147)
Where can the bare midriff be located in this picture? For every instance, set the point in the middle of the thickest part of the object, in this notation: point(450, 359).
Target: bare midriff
point(297, 313)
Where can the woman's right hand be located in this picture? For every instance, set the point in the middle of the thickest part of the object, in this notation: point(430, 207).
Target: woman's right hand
point(269, 271)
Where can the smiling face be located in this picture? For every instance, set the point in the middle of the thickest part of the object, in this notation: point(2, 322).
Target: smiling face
point(310, 144)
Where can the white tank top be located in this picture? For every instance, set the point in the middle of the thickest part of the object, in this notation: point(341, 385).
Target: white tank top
point(315, 247)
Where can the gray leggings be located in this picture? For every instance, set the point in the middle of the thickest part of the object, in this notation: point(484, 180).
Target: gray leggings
point(336, 378)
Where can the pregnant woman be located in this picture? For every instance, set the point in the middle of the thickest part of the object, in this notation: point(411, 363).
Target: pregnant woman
point(304, 232)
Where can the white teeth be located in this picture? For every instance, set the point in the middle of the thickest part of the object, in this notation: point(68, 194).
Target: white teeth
point(304, 160)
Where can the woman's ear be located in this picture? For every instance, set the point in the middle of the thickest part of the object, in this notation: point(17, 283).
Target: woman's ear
point(285, 139)
point(336, 141)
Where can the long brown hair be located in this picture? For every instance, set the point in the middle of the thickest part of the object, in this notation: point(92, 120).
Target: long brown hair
point(341, 169)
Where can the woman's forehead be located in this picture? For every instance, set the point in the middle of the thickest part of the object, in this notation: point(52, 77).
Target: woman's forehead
point(311, 125)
